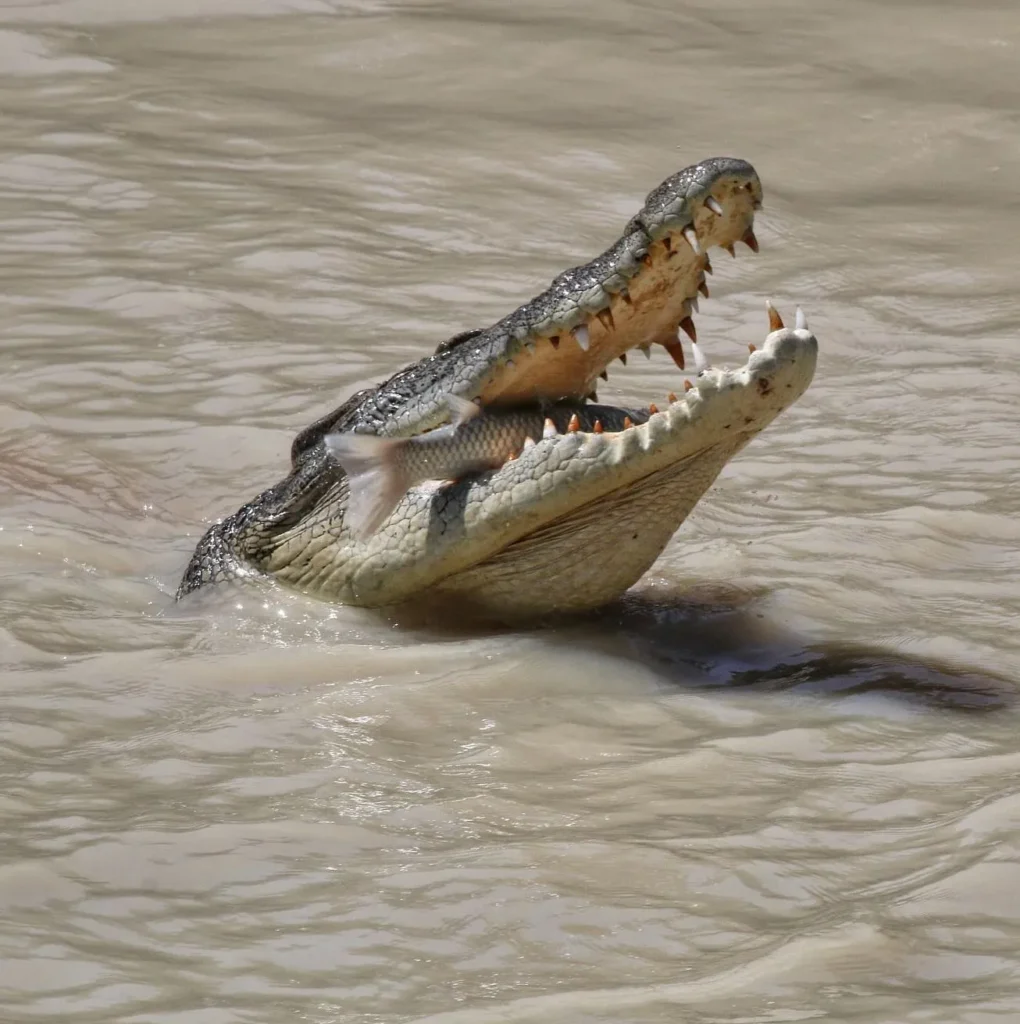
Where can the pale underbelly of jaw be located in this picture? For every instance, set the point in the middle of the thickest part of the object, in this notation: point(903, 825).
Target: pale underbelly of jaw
point(594, 555)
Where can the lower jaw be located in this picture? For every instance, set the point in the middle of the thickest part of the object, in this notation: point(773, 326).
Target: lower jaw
point(592, 557)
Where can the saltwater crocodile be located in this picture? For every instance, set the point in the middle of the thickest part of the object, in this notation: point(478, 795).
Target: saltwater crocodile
point(578, 516)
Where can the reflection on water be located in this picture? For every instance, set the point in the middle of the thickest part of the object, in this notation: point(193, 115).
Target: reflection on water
point(775, 783)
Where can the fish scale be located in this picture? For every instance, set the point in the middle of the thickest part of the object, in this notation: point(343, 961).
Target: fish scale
point(483, 441)
point(380, 470)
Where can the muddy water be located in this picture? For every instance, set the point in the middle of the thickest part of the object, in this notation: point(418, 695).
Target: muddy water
point(779, 782)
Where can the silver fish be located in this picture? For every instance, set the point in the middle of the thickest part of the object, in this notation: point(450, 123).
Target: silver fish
point(380, 470)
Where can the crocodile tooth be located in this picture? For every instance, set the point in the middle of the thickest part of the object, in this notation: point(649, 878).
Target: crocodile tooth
point(582, 337)
point(775, 320)
point(688, 385)
point(692, 237)
point(801, 320)
point(597, 429)
point(708, 265)
point(623, 358)
point(752, 349)
point(692, 303)
point(625, 295)
point(750, 241)
point(555, 341)
point(667, 244)
point(676, 351)
point(713, 204)
point(687, 326)
point(529, 442)
point(549, 428)
point(652, 408)
point(700, 362)
point(647, 349)
point(672, 397)
point(627, 423)
point(703, 288)
point(604, 375)
point(606, 318)
point(574, 425)
point(592, 396)
point(729, 248)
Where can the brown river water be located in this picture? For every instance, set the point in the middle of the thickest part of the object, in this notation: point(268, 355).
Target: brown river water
point(779, 781)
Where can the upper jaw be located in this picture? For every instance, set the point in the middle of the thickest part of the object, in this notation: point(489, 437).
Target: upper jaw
point(640, 292)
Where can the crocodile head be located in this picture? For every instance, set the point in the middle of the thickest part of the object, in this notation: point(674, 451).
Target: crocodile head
point(576, 518)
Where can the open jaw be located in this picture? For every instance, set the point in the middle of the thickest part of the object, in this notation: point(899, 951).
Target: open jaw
point(581, 512)
point(575, 518)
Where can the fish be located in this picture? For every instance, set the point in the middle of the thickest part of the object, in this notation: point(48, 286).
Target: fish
point(380, 470)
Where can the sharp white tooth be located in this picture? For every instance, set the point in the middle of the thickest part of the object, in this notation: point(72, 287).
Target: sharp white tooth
point(713, 204)
point(582, 336)
point(801, 320)
point(529, 442)
point(647, 349)
point(700, 362)
point(692, 236)
point(549, 428)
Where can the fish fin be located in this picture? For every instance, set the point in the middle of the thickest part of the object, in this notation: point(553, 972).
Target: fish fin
point(462, 409)
point(375, 480)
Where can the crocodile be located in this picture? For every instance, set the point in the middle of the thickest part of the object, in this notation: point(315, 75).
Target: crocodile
point(578, 515)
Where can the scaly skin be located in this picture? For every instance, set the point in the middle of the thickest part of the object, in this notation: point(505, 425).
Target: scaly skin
point(577, 518)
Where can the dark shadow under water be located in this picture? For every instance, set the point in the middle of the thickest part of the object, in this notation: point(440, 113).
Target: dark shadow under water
point(699, 637)
point(691, 636)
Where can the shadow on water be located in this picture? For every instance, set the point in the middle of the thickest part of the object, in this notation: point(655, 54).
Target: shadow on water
point(703, 637)
point(691, 637)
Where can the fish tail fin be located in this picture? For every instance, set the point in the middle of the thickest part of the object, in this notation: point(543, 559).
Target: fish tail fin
point(376, 481)
point(462, 409)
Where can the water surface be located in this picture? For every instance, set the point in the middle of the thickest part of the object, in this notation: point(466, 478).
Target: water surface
point(777, 782)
